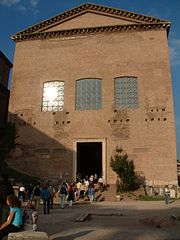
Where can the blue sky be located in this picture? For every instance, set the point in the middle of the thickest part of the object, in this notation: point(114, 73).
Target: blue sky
point(17, 15)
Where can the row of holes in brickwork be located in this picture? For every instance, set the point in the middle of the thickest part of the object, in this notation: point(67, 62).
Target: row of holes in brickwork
point(157, 110)
point(34, 123)
point(127, 120)
point(68, 122)
point(22, 114)
point(151, 110)
point(116, 121)
point(153, 119)
point(62, 123)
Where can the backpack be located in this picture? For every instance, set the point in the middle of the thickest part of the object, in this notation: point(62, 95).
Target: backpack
point(63, 190)
point(37, 191)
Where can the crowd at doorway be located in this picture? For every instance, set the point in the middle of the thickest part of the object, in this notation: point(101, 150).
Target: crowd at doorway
point(19, 210)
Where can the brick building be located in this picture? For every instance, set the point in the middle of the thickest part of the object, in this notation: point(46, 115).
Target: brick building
point(5, 66)
point(88, 80)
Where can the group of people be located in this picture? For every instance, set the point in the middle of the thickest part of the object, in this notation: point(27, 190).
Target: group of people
point(82, 189)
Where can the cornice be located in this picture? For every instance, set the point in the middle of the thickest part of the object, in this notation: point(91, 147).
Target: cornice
point(91, 8)
point(93, 30)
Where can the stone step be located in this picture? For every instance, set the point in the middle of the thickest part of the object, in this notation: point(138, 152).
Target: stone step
point(82, 217)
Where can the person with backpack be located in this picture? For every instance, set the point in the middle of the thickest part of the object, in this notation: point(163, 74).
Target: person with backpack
point(52, 192)
point(71, 195)
point(37, 196)
point(46, 198)
point(6, 189)
point(62, 193)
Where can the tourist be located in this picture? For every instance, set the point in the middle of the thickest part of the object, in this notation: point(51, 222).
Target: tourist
point(29, 190)
point(166, 194)
point(63, 193)
point(30, 217)
point(82, 190)
point(91, 179)
point(15, 219)
point(21, 194)
point(52, 194)
point(101, 184)
point(78, 188)
point(86, 186)
point(91, 192)
point(46, 198)
point(70, 198)
point(36, 195)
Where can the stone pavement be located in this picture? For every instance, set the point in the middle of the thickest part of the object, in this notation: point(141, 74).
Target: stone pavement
point(125, 220)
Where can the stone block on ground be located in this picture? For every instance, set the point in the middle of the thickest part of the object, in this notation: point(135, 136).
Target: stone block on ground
point(28, 235)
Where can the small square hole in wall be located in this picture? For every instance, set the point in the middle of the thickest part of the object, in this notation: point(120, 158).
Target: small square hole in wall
point(57, 122)
point(164, 119)
point(152, 119)
point(146, 119)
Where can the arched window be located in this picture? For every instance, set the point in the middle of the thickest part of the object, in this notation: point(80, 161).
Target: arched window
point(88, 94)
point(126, 92)
point(53, 96)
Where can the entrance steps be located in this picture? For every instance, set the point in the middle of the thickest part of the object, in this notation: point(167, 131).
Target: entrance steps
point(108, 193)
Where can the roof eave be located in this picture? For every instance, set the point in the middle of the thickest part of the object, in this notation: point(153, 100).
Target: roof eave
point(82, 31)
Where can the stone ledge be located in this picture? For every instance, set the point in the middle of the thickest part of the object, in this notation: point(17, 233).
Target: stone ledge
point(28, 235)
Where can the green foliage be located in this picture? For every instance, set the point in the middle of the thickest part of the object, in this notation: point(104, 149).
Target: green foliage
point(151, 198)
point(7, 138)
point(124, 169)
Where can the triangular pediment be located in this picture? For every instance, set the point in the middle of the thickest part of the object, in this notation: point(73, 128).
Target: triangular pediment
point(89, 19)
point(87, 16)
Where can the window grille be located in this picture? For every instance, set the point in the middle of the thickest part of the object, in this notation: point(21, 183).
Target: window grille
point(126, 92)
point(53, 96)
point(88, 94)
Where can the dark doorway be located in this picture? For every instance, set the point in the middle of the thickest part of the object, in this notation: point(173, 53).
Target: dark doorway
point(89, 158)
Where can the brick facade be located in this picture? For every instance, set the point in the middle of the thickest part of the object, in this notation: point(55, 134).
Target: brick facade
point(47, 142)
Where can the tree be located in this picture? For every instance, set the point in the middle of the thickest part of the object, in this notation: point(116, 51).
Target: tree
point(124, 169)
